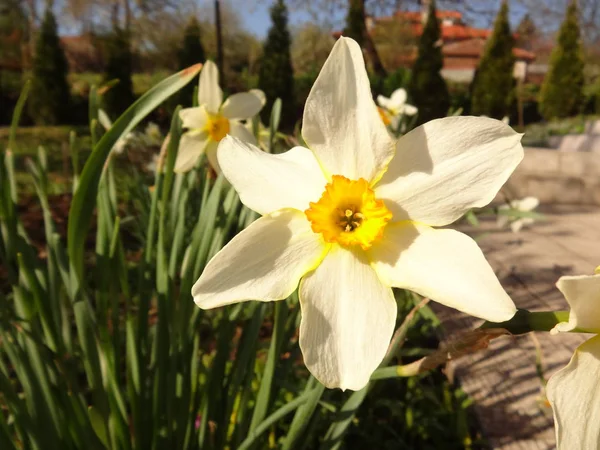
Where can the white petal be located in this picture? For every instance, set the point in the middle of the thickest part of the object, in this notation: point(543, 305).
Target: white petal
point(410, 110)
point(193, 118)
point(583, 296)
point(238, 130)
point(267, 182)
point(574, 393)
point(209, 91)
point(191, 146)
point(448, 166)
point(341, 123)
point(241, 106)
point(398, 97)
point(517, 225)
point(444, 265)
point(260, 94)
point(348, 317)
point(264, 262)
point(384, 102)
point(211, 155)
point(527, 204)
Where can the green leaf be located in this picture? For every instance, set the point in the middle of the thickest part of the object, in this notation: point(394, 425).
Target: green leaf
point(80, 214)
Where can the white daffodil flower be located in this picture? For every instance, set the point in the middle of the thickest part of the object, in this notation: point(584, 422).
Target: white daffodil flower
point(353, 216)
point(213, 119)
point(526, 204)
point(393, 108)
point(574, 391)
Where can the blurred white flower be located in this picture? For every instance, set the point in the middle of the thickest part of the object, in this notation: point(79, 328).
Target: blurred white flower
point(395, 107)
point(123, 141)
point(214, 119)
point(574, 391)
point(517, 222)
point(354, 216)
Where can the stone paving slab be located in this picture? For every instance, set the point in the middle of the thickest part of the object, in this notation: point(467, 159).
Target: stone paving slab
point(503, 380)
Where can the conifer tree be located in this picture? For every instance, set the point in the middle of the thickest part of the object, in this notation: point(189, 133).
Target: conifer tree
point(355, 22)
point(562, 90)
point(276, 76)
point(493, 86)
point(50, 96)
point(427, 87)
point(119, 66)
point(527, 32)
point(190, 53)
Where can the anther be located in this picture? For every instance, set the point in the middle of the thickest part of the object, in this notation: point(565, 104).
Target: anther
point(349, 213)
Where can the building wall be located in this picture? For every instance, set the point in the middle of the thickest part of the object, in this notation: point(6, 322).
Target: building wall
point(557, 177)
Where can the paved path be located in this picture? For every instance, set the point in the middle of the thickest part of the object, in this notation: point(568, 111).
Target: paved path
point(503, 380)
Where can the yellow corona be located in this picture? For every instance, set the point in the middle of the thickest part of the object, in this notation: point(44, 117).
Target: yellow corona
point(217, 127)
point(348, 213)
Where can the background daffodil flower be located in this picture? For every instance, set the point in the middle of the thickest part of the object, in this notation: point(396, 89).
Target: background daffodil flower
point(396, 106)
point(524, 205)
point(352, 216)
point(209, 122)
point(574, 391)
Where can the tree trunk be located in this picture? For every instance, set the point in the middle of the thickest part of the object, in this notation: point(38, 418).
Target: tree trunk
point(219, 41)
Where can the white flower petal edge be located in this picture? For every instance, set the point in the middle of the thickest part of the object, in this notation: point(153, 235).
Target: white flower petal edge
point(241, 106)
point(264, 262)
point(267, 182)
point(348, 317)
point(398, 98)
point(193, 118)
point(453, 164)
point(444, 265)
point(191, 146)
point(574, 393)
point(236, 129)
point(410, 110)
point(583, 296)
point(341, 123)
point(209, 91)
point(260, 94)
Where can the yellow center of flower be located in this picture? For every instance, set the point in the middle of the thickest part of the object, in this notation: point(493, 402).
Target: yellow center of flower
point(597, 271)
point(217, 127)
point(348, 213)
point(384, 116)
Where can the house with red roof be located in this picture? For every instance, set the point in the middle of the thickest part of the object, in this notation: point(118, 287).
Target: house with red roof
point(396, 38)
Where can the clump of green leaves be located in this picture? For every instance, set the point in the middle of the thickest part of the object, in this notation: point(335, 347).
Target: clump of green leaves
point(50, 96)
point(562, 91)
point(427, 87)
point(493, 85)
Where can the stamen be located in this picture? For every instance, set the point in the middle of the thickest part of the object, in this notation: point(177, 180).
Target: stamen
point(348, 228)
point(349, 213)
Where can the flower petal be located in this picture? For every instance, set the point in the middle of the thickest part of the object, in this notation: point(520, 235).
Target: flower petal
point(447, 166)
point(209, 91)
point(236, 129)
point(410, 110)
point(211, 155)
point(583, 296)
point(268, 182)
point(341, 123)
point(193, 118)
point(444, 265)
point(260, 94)
point(241, 106)
point(348, 317)
point(398, 98)
point(574, 393)
point(384, 102)
point(526, 204)
point(191, 146)
point(264, 262)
